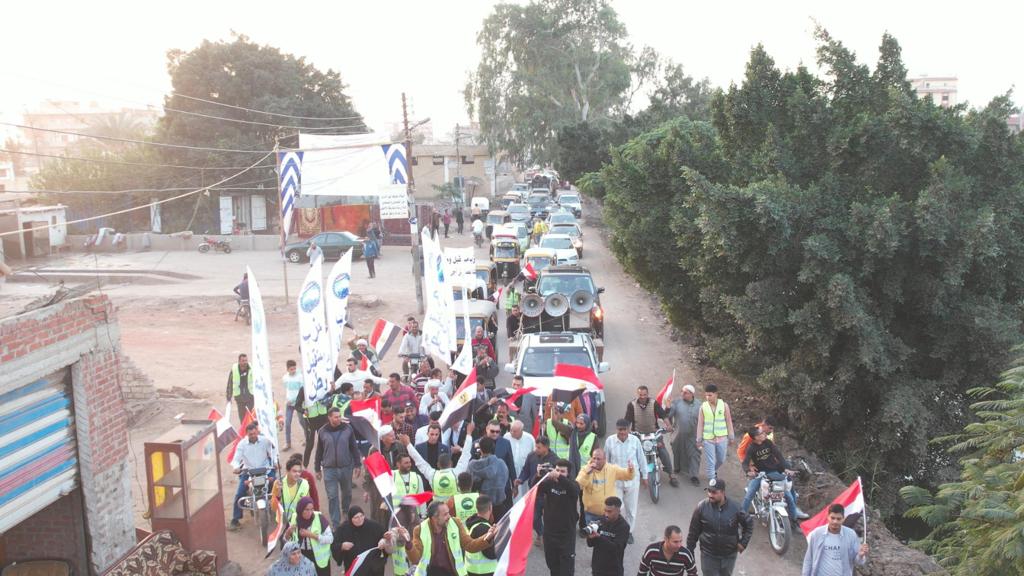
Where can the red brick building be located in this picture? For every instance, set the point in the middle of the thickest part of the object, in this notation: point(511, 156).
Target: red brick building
point(65, 488)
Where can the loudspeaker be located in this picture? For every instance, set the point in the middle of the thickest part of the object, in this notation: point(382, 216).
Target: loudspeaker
point(581, 301)
point(556, 305)
point(532, 305)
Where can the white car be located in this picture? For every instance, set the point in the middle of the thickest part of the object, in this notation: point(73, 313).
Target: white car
point(562, 244)
point(538, 353)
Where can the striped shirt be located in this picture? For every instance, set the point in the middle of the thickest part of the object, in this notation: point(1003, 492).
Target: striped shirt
point(654, 563)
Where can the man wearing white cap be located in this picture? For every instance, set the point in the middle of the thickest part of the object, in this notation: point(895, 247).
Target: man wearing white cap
point(684, 413)
point(434, 400)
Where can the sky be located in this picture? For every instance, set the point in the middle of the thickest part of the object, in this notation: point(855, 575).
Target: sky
point(114, 52)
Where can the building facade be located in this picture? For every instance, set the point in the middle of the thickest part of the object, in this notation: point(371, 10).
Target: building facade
point(435, 164)
point(940, 89)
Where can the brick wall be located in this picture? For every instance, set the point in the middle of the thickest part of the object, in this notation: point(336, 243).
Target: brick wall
point(81, 333)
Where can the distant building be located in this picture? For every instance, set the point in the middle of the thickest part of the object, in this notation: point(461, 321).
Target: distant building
point(941, 89)
point(436, 164)
point(1016, 123)
point(11, 178)
point(80, 117)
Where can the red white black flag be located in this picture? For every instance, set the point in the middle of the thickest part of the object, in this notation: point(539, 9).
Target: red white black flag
point(365, 419)
point(457, 410)
point(357, 563)
point(665, 396)
point(852, 500)
point(384, 334)
point(514, 536)
point(379, 470)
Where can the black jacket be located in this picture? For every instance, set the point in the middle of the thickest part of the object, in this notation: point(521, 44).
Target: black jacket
point(561, 508)
point(609, 547)
point(766, 457)
point(719, 528)
point(477, 526)
point(336, 448)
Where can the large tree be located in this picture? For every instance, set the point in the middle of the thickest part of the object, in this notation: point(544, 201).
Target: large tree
point(544, 65)
point(851, 249)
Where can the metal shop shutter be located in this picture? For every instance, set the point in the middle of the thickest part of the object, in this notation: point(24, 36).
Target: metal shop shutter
point(38, 458)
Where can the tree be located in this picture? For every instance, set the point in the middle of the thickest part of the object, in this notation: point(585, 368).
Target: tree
point(216, 90)
point(544, 65)
point(849, 249)
point(978, 521)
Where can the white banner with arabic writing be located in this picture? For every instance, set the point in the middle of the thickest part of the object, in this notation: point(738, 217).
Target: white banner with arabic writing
point(315, 342)
point(460, 266)
point(438, 324)
point(261, 380)
point(337, 303)
point(394, 202)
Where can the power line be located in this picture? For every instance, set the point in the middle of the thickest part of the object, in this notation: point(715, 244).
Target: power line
point(267, 113)
point(361, 125)
point(154, 203)
point(121, 162)
point(184, 146)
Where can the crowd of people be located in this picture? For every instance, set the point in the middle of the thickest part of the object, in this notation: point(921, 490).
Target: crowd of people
point(587, 487)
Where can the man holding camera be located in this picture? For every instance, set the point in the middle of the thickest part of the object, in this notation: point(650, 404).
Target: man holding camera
point(608, 537)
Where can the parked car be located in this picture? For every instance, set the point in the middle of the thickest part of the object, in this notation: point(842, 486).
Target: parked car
point(333, 245)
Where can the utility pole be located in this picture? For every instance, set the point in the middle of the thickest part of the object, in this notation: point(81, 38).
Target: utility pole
point(458, 166)
point(414, 228)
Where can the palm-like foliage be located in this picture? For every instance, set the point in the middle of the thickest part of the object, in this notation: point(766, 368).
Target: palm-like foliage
point(978, 522)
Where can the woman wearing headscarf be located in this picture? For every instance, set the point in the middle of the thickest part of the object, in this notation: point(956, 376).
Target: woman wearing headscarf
point(292, 563)
point(357, 535)
point(313, 534)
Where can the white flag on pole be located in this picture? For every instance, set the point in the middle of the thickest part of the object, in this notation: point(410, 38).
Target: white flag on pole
point(337, 290)
point(261, 383)
point(315, 340)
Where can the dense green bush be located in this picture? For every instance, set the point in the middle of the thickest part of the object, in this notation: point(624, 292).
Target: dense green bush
point(855, 251)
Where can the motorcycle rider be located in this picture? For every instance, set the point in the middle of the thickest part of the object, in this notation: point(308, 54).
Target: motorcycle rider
point(723, 529)
point(644, 414)
point(242, 290)
point(253, 452)
point(412, 345)
point(478, 231)
point(764, 456)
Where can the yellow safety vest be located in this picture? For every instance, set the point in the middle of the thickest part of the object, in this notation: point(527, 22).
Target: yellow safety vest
point(465, 505)
point(321, 552)
point(585, 447)
point(401, 490)
point(236, 381)
point(714, 420)
point(444, 484)
point(477, 563)
point(559, 444)
point(454, 544)
point(291, 499)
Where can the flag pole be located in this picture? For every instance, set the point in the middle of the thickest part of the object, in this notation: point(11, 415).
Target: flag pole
point(864, 514)
point(280, 210)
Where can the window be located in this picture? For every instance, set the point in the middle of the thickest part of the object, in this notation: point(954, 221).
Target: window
point(438, 160)
point(415, 161)
point(468, 160)
point(3, 173)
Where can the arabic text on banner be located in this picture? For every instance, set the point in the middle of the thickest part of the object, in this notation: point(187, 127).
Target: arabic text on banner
point(315, 340)
point(460, 266)
point(261, 382)
point(438, 323)
point(394, 202)
point(337, 290)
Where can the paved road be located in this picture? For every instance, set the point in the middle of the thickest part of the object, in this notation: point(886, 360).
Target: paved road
point(638, 347)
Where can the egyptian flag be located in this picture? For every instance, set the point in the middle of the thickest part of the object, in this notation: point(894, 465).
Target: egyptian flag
point(383, 336)
point(358, 561)
point(529, 272)
point(568, 383)
point(417, 500)
point(278, 530)
point(514, 537)
point(226, 433)
point(852, 500)
point(510, 395)
point(365, 419)
point(249, 418)
point(665, 396)
point(379, 470)
point(457, 410)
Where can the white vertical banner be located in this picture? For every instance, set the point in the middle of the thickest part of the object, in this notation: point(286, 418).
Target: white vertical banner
point(337, 303)
point(315, 340)
point(261, 382)
point(438, 323)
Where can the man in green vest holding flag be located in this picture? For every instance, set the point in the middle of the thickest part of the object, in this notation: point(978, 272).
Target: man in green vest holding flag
point(559, 430)
point(485, 562)
point(238, 386)
point(440, 525)
point(443, 480)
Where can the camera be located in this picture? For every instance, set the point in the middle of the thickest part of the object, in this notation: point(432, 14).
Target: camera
point(591, 529)
point(544, 468)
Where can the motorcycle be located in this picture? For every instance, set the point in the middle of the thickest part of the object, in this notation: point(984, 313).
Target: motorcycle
point(412, 366)
point(770, 508)
point(217, 245)
point(257, 501)
point(650, 442)
point(243, 311)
